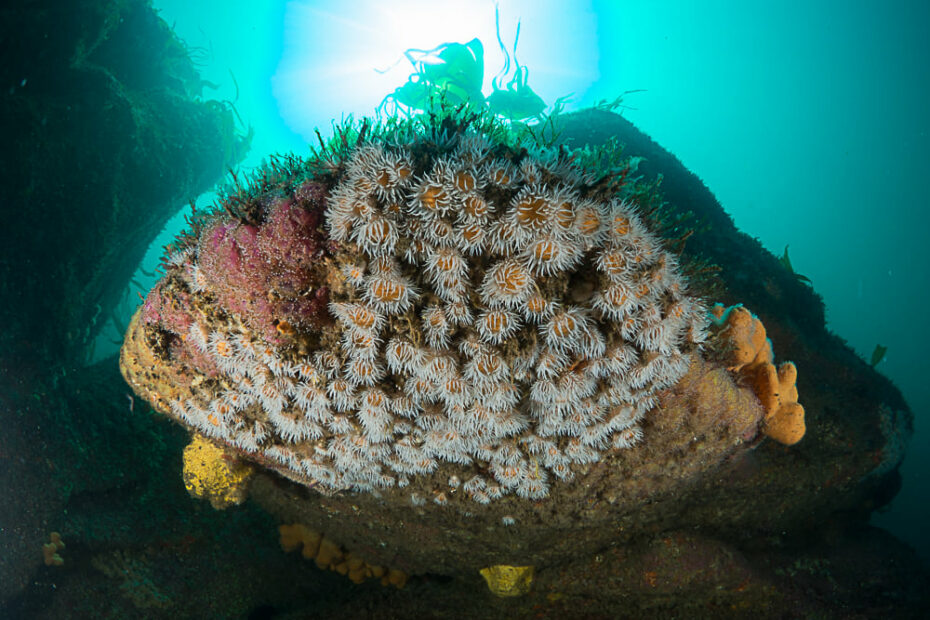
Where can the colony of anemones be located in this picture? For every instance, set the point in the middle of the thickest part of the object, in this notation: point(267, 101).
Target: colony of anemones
point(489, 315)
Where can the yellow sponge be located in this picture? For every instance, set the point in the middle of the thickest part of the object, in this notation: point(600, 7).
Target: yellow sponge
point(213, 474)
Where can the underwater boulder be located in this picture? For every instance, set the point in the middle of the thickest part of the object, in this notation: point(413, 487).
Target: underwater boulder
point(445, 347)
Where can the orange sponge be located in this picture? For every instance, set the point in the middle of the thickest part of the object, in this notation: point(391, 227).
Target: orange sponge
point(745, 334)
point(328, 554)
point(750, 354)
point(786, 425)
point(50, 550)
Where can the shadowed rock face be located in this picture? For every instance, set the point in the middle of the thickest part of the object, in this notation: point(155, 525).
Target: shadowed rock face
point(105, 133)
point(858, 423)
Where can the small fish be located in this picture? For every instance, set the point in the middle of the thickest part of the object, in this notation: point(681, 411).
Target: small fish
point(786, 262)
point(878, 355)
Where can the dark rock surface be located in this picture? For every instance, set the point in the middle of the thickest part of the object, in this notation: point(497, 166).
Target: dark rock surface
point(105, 134)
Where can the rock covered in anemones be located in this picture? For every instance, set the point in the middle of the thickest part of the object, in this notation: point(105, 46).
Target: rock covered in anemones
point(429, 307)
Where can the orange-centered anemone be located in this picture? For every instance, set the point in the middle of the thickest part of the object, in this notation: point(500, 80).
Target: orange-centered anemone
point(487, 310)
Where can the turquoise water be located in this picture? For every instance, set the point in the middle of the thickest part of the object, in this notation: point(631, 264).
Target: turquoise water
point(807, 120)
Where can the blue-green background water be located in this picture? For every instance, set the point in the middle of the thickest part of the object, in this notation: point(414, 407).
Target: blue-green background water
point(808, 120)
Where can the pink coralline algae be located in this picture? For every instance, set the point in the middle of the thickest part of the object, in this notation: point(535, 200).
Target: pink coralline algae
point(451, 310)
point(173, 312)
point(264, 274)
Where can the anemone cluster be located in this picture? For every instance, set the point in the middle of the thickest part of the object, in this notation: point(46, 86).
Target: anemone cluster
point(489, 312)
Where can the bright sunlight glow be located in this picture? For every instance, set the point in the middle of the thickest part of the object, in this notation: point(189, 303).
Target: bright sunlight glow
point(332, 50)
